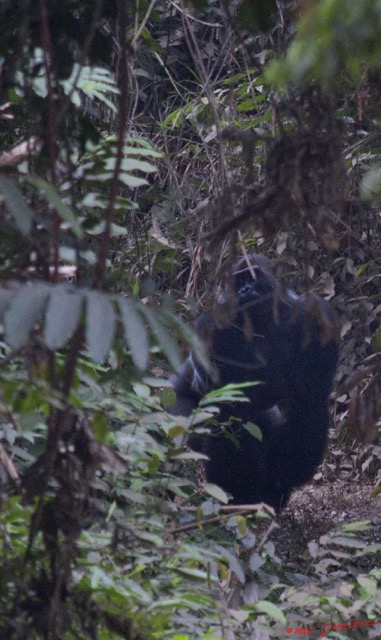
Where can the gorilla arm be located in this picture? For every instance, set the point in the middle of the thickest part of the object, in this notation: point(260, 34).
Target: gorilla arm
point(193, 381)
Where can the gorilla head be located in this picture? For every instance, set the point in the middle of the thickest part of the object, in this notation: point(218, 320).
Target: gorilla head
point(254, 280)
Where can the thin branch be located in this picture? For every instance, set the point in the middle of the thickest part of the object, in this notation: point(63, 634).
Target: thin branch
point(46, 45)
point(194, 50)
point(83, 57)
point(10, 468)
point(143, 24)
point(123, 111)
point(238, 510)
point(213, 25)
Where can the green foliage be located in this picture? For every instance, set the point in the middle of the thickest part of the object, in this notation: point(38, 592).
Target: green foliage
point(376, 341)
point(60, 310)
point(334, 38)
point(134, 569)
point(110, 142)
point(16, 204)
point(94, 82)
point(58, 204)
point(371, 185)
point(354, 597)
point(96, 171)
point(257, 15)
point(228, 393)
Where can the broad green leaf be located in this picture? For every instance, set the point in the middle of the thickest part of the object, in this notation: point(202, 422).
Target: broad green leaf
point(371, 185)
point(152, 538)
point(251, 103)
point(101, 97)
point(164, 339)
point(141, 390)
point(135, 332)
point(193, 455)
point(173, 432)
point(100, 325)
point(271, 609)
point(62, 316)
point(176, 119)
point(216, 492)
point(6, 295)
point(376, 341)
point(235, 565)
point(65, 212)
point(167, 396)
point(191, 338)
point(95, 82)
point(240, 615)
point(254, 430)
point(25, 310)
point(228, 393)
point(361, 525)
point(197, 574)
point(138, 151)
point(132, 181)
point(348, 542)
point(130, 164)
point(140, 145)
point(18, 208)
point(369, 584)
point(256, 561)
point(128, 179)
point(115, 230)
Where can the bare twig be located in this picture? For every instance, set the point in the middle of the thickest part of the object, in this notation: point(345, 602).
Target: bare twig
point(84, 54)
point(20, 152)
point(194, 50)
point(143, 24)
point(123, 83)
point(213, 25)
point(228, 511)
point(10, 468)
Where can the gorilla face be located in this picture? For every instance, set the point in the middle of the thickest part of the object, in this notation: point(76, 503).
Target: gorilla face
point(257, 293)
point(252, 284)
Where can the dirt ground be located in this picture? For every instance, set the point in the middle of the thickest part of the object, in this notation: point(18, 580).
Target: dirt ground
point(324, 505)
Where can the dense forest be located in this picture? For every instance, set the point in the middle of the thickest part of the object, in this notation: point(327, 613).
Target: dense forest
point(145, 146)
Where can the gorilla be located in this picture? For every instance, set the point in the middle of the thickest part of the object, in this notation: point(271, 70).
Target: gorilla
point(289, 344)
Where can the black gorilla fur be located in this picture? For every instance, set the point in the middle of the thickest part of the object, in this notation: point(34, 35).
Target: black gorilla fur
point(287, 342)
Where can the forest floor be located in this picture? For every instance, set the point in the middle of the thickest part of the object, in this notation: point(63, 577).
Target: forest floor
point(325, 504)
